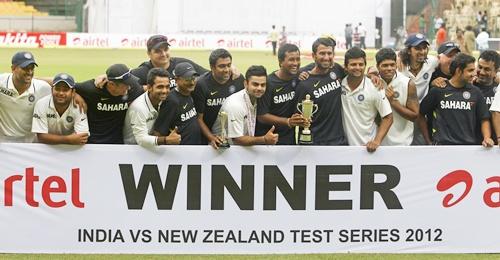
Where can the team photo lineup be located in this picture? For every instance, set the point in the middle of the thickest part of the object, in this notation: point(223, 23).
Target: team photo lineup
point(408, 98)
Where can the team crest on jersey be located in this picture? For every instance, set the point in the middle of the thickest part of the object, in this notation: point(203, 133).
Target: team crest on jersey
point(495, 89)
point(426, 75)
point(361, 97)
point(396, 94)
point(294, 83)
point(31, 98)
point(333, 75)
point(69, 119)
point(232, 89)
point(466, 94)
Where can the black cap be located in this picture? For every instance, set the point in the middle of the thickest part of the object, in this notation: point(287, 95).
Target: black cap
point(185, 70)
point(448, 47)
point(120, 72)
point(64, 77)
point(415, 39)
point(156, 41)
point(23, 59)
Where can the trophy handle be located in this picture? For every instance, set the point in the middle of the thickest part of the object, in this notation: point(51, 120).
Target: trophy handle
point(315, 108)
point(298, 107)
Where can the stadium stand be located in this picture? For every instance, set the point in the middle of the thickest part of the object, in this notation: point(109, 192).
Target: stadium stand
point(15, 8)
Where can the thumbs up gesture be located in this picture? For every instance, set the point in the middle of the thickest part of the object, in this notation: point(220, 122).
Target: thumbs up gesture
point(174, 137)
point(270, 137)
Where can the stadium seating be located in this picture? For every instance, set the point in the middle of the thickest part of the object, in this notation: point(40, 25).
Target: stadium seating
point(11, 8)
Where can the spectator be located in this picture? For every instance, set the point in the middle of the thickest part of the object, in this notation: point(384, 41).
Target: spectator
point(273, 37)
point(441, 35)
point(469, 40)
point(362, 36)
point(482, 40)
point(348, 36)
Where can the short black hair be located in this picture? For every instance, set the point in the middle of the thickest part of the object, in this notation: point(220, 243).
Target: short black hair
point(287, 47)
point(218, 54)
point(157, 72)
point(326, 41)
point(385, 54)
point(491, 55)
point(255, 70)
point(354, 53)
point(460, 61)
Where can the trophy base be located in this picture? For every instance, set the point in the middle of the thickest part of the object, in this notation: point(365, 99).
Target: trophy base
point(305, 139)
point(224, 145)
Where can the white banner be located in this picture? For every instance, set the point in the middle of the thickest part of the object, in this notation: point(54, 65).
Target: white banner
point(258, 200)
point(188, 41)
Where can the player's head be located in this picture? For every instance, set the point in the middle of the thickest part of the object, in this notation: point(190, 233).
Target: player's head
point(487, 67)
point(63, 89)
point(462, 67)
point(416, 49)
point(355, 61)
point(158, 50)
point(119, 79)
point(446, 52)
point(386, 63)
point(324, 52)
point(220, 63)
point(23, 67)
point(289, 58)
point(158, 84)
point(185, 76)
point(255, 81)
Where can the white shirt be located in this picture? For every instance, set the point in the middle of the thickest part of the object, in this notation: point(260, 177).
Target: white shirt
point(139, 121)
point(482, 41)
point(47, 120)
point(16, 111)
point(423, 78)
point(362, 31)
point(241, 117)
point(495, 106)
point(359, 109)
point(401, 131)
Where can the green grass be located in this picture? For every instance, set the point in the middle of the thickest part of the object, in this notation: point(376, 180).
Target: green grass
point(85, 64)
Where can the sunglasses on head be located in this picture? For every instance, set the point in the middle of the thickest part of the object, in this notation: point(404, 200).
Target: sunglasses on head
point(124, 76)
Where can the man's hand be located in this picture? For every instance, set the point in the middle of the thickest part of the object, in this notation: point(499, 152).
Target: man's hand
point(303, 75)
point(236, 73)
point(372, 146)
point(376, 80)
point(78, 139)
point(297, 120)
point(389, 93)
point(100, 81)
point(79, 102)
point(215, 141)
point(439, 82)
point(488, 142)
point(173, 137)
point(271, 137)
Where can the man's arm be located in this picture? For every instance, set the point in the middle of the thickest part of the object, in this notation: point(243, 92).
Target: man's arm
point(495, 116)
point(213, 140)
point(78, 139)
point(410, 111)
point(486, 131)
point(140, 129)
point(270, 138)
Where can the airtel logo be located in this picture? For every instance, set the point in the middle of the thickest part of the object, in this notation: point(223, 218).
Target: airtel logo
point(76, 40)
point(462, 176)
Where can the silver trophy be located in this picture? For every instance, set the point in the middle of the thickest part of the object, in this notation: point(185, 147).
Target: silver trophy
point(223, 133)
point(307, 108)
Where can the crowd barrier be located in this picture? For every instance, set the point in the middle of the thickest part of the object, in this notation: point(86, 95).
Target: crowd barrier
point(248, 200)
